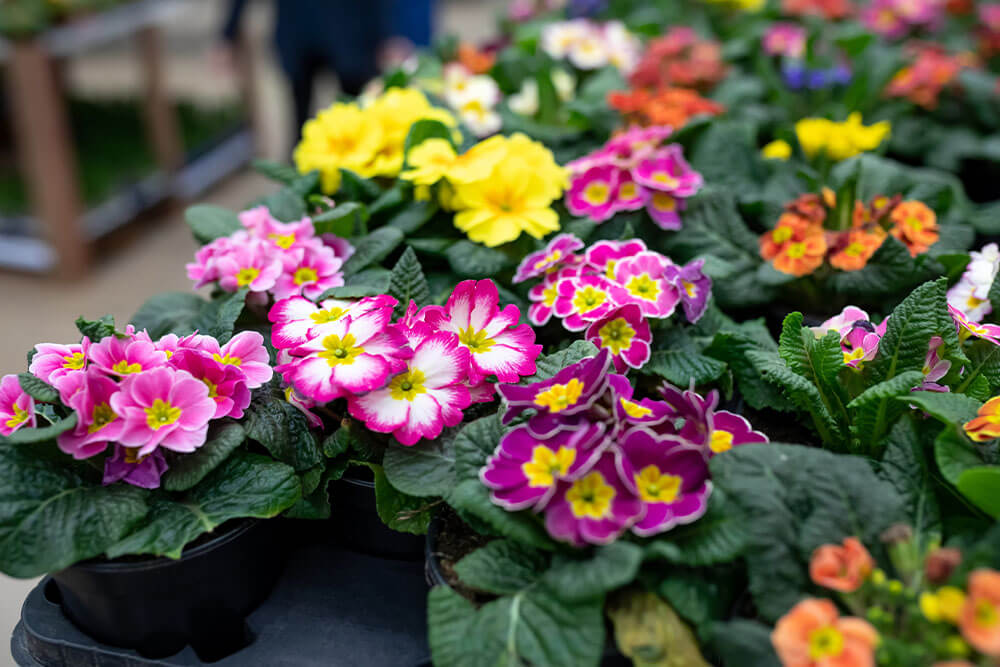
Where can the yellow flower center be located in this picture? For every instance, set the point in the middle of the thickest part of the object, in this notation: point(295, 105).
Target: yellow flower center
point(232, 361)
point(123, 367)
point(781, 234)
point(655, 487)
point(213, 389)
point(588, 298)
point(406, 386)
point(558, 397)
point(328, 315)
point(721, 441)
point(476, 341)
point(20, 416)
point(797, 250)
point(689, 288)
point(663, 178)
point(616, 335)
point(643, 286)
point(590, 497)
point(284, 241)
point(633, 409)
point(545, 465)
point(101, 417)
point(246, 275)
point(161, 414)
point(340, 350)
point(855, 249)
point(857, 354)
point(305, 274)
point(549, 296)
point(551, 258)
point(914, 223)
point(986, 614)
point(75, 361)
point(132, 455)
point(825, 643)
point(973, 302)
point(610, 271)
point(664, 202)
point(596, 193)
point(628, 191)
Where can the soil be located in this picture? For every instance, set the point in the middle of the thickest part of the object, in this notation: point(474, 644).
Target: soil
point(455, 540)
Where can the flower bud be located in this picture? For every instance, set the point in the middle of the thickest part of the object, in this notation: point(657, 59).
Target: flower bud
point(941, 563)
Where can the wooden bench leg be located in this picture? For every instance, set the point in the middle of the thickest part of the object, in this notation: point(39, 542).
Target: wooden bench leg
point(46, 150)
point(161, 117)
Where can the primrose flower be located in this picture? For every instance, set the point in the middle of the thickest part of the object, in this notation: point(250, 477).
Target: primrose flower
point(604, 256)
point(227, 384)
point(559, 251)
point(245, 351)
point(979, 620)
point(17, 408)
point(693, 286)
point(779, 149)
point(89, 394)
point(861, 342)
point(696, 411)
point(800, 257)
point(667, 171)
point(629, 412)
point(297, 320)
point(640, 280)
point(915, 224)
point(429, 395)
point(309, 271)
point(582, 300)
point(595, 508)
point(842, 323)
point(125, 356)
point(858, 249)
point(524, 471)
point(430, 161)
point(669, 476)
point(729, 430)
point(841, 568)
point(594, 193)
point(966, 327)
point(986, 425)
point(842, 140)
point(812, 634)
point(971, 294)
point(525, 101)
point(497, 344)
point(785, 39)
point(252, 265)
point(163, 407)
point(142, 471)
point(935, 367)
point(625, 333)
point(53, 361)
point(543, 295)
point(339, 137)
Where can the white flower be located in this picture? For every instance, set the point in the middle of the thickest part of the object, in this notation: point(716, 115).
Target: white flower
point(982, 269)
point(623, 47)
point(963, 297)
point(559, 38)
point(589, 52)
point(565, 84)
point(525, 101)
point(482, 120)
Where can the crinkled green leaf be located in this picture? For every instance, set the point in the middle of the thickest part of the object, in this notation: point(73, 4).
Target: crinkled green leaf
point(188, 470)
point(95, 330)
point(170, 312)
point(209, 222)
point(38, 389)
point(373, 248)
point(42, 433)
point(283, 430)
point(502, 567)
point(407, 282)
point(717, 537)
point(398, 510)
point(344, 220)
point(471, 260)
point(276, 171)
point(470, 497)
point(951, 408)
point(218, 318)
point(474, 443)
point(413, 216)
point(875, 410)
point(741, 642)
point(547, 365)
point(681, 366)
point(591, 575)
point(731, 345)
point(905, 465)
point(427, 469)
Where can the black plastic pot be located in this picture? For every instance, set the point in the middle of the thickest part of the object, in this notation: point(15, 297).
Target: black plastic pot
point(158, 606)
point(355, 523)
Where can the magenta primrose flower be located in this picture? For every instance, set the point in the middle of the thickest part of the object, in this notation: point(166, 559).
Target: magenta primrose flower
point(583, 299)
point(52, 361)
point(17, 408)
point(785, 39)
point(729, 430)
point(693, 286)
point(935, 368)
point(125, 356)
point(142, 471)
point(227, 385)
point(559, 250)
point(245, 351)
point(165, 408)
point(252, 265)
point(543, 295)
point(308, 271)
point(667, 171)
point(594, 193)
point(89, 394)
point(603, 256)
point(625, 333)
point(640, 280)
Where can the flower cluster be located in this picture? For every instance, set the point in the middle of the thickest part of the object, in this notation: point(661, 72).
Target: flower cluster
point(474, 97)
point(896, 18)
point(971, 294)
point(499, 188)
point(598, 461)
point(590, 45)
point(611, 291)
point(680, 58)
point(829, 9)
point(633, 170)
point(272, 257)
point(367, 140)
point(785, 39)
point(410, 378)
point(142, 397)
point(839, 141)
point(667, 106)
point(799, 244)
point(921, 605)
point(931, 71)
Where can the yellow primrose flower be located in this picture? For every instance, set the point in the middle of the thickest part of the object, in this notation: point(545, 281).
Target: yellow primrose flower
point(779, 149)
point(540, 160)
point(342, 136)
point(478, 162)
point(839, 141)
point(429, 161)
point(396, 111)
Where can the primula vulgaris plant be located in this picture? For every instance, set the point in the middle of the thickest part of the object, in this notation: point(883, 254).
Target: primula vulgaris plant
point(125, 444)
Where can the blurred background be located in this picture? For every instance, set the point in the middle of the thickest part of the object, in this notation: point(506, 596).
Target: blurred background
point(114, 118)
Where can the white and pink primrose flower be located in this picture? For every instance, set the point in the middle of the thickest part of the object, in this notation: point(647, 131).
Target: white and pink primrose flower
point(603, 256)
point(966, 327)
point(862, 341)
point(427, 396)
point(560, 250)
point(17, 407)
point(52, 361)
point(89, 394)
point(935, 368)
point(163, 407)
point(785, 39)
point(497, 344)
point(625, 333)
point(298, 320)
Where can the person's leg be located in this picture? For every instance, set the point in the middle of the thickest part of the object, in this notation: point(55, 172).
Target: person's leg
point(302, 94)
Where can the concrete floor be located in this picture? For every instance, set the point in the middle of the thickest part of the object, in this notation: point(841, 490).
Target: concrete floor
point(43, 310)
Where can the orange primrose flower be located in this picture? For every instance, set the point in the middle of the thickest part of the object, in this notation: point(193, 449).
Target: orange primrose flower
point(979, 620)
point(812, 634)
point(800, 258)
point(790, 227)
point(841, 568)
point(810, 206)
point(915, 224)
point(476, 61)
point(986, 425)
point(858, 250)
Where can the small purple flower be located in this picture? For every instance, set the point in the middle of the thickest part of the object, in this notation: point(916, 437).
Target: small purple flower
point(625, 333)
point(595, 508)
point(935, 367)
point(665, 210)
point(794, 75)
point(693, 285)
point(127, 465)
point(645, 412)
point(559, 251)
point(694, 409)
point(524, 471)
point(669, 476)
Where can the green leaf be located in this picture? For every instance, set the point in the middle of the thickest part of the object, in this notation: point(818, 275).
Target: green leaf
point(42, 433)
point(875, 410)
point(38, 389)
point(731, 345)
point(427, 469)
point(283, 430)
point(245, 486)
point(375, 278)
point(350, 292)
point(288, 204)
point(741, 642)
point(95, 330)
point(55, 512)
point(502, 567)
point(793, 499)
point(955, 454)
point(817, 360)
point(209, 222)
point(413, 216)
point(373, 248)
point(547, 365)
point(949, 407)
point(606, 568)
point(344, 220)
point(425, 129)
point(407, 282)
point(276, 171)
point(188, 470)
point(980, 486)
point(471, 260)
point(471, 497)
point(717, 537)
point(905, 465)
point(474, 443)
point(169, 312)
point(355, 188)
point(681, 366)
point(399, 510)
point(218, 318)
